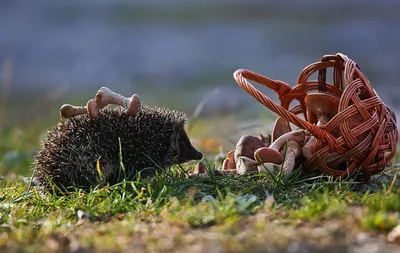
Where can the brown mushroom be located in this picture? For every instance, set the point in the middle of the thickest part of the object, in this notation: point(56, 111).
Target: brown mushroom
point(246, 146)
point(229, 162)
point(201, 168)
point(244, 153)
point(266, 154)
point(321, 107)
point(272, 154)
point(281, 127)
point(265, 138)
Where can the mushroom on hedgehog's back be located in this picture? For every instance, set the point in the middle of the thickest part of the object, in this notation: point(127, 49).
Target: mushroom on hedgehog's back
point(152, 139)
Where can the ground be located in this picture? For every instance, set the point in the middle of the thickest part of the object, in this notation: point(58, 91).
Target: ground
point(174, 213)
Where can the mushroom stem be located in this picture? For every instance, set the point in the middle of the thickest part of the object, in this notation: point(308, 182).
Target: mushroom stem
point(271, 167)
point(293, 151)
point(296, 135)
point(309, 148)
point(91, 108)
point(68, 111)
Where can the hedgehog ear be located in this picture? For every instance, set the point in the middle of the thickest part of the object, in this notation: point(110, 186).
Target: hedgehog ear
point(186, 151)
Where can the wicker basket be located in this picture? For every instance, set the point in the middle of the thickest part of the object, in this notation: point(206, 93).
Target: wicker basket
point(368, 134)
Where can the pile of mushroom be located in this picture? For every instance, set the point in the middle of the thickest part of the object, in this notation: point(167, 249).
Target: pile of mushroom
point(286, 148)
point(255, 154)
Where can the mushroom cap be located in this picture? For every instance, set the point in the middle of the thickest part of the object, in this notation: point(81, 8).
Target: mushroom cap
point(319, 104)
point(201, 168)
point(246, 146)
point(229, 162)
point(134, 105)
point(281, 126)
point(265, 138)
point(268, 155)
point(103, 95)
point(66, 111)
point(231, 155)
point(93, 109)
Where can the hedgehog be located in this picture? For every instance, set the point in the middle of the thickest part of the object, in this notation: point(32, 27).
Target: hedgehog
point(88, 150)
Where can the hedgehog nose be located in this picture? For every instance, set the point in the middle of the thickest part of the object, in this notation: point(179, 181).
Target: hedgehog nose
point(193, 154)
point(189, 153)
point(198, 155)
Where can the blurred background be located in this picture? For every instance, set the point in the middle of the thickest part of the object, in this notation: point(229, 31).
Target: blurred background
point(178, 54)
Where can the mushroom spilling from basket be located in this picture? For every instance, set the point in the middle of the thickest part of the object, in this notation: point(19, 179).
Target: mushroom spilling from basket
point(343, 129)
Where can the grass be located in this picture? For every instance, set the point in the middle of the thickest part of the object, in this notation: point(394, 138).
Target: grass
point(173, 213)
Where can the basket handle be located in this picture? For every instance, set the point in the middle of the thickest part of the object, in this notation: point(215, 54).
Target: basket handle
point(281, 88)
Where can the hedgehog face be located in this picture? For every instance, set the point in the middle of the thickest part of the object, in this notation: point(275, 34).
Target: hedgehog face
point(185, 150)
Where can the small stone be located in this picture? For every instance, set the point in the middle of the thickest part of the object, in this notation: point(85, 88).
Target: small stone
point(208, 198)
point(82, 215)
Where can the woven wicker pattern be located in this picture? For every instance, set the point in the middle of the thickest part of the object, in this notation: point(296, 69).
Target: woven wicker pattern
point(361, 137)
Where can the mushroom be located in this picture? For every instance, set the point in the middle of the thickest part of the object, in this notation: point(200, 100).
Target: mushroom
point(103, 98)
point(229, 162)
point(200, 170)
point(246, 146)
point(292, 152)
point(265, 138)
point(201, 167)
point(272, 153)
point(68, 111)
point(281, 127)
point(244, 152)
point(321, 107)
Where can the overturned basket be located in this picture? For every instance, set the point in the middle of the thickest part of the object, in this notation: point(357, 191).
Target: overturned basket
point(360, 138)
